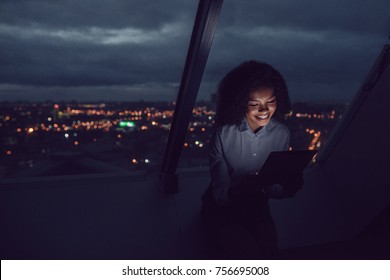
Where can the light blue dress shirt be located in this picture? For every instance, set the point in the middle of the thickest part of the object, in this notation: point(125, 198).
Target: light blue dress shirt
point(237, 150)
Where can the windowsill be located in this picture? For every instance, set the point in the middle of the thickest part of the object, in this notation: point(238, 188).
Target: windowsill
point(51, 181)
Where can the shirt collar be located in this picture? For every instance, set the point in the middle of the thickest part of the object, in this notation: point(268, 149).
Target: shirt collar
point(243, 125)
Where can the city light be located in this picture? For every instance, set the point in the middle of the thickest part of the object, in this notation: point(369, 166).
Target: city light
point(315, 141)
point(126, 124)
point(116, 128)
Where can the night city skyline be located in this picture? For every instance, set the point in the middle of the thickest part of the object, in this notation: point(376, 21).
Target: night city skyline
point(49, 138)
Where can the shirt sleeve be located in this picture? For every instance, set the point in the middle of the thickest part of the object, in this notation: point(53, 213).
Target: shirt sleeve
point(220, 178)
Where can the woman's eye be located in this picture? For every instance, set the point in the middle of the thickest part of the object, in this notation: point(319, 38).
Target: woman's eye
point(252, 105)
point(272, 101)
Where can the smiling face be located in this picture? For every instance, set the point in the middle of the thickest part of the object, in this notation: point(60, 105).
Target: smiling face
point(261, 107)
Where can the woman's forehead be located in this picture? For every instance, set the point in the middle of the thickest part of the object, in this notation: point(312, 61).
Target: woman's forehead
point(259, 94)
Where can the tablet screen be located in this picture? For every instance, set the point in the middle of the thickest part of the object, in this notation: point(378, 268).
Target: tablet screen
point(285, 162)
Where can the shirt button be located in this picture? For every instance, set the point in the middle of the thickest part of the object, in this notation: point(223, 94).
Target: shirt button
point(254, 155)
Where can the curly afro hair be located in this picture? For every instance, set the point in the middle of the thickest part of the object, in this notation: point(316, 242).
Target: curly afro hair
point(234, 89)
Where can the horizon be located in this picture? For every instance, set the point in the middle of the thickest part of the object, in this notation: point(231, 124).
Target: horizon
point(320, 102)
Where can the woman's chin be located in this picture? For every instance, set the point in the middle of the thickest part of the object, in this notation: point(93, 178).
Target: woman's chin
point(263, 122)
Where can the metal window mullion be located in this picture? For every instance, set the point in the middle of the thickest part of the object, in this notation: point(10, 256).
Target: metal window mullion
point(199, 49)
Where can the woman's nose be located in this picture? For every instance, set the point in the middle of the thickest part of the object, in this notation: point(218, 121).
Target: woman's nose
point(263, 108)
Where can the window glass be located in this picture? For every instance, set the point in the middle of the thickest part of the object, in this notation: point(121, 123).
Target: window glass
point(89, 86)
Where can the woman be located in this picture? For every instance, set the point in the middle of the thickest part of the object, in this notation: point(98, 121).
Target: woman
point(252, 102)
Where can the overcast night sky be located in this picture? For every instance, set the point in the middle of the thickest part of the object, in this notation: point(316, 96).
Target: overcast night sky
point(131, 50)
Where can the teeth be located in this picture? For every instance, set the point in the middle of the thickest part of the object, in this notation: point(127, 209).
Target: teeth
point(262, 117)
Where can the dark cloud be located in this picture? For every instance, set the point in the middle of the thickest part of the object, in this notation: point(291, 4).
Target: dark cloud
point(357, 16)
point(101, 13)
point(126, 49)
point(323, 49)
point(64, 64)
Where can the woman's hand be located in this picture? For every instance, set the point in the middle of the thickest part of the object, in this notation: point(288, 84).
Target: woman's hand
point(292, 183)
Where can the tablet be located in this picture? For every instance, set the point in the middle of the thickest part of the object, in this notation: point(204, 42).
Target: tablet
point(286, 162)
